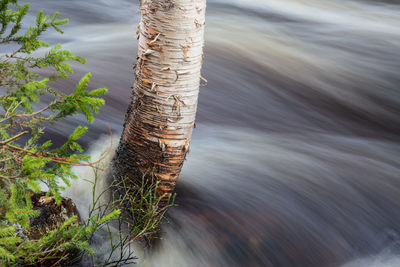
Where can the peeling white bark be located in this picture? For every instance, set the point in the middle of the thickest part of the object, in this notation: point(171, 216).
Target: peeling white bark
point(161, 117)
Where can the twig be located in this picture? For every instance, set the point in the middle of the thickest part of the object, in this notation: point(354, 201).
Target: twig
point(13, 138)
point(63, 160)
point(12, 55)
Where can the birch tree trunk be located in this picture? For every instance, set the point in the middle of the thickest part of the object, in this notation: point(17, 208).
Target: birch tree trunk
point(160, 119)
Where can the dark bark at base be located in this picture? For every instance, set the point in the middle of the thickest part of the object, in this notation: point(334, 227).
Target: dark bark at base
point(124, 165)
point(129, 164)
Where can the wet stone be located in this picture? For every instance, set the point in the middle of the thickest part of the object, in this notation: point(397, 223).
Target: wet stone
point(51, 215)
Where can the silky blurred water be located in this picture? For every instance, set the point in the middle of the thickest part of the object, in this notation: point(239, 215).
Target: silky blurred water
point(295, 160)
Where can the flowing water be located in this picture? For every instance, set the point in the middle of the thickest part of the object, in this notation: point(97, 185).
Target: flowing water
point(296, 157)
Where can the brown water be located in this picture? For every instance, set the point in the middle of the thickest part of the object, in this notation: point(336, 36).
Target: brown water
point(296, 157)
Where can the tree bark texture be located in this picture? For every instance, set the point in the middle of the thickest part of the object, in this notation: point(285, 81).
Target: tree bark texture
point(161, 117)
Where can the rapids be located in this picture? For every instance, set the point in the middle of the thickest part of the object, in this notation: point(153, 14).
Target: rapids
point(295, 160)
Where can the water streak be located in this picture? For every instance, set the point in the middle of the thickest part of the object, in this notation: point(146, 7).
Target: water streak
point(296, 157)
